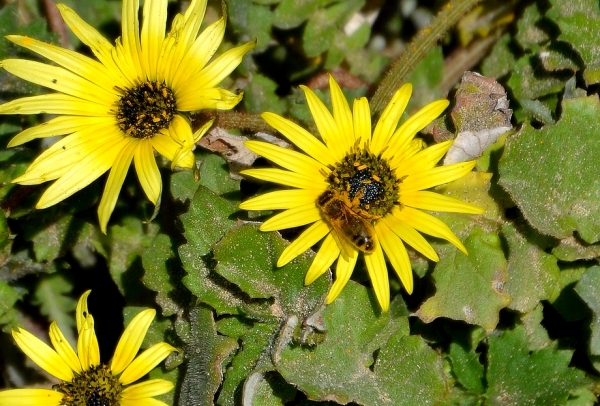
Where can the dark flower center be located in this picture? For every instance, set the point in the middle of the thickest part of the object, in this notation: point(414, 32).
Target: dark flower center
point(367, 179)
point(145, 110)
point(96, 386)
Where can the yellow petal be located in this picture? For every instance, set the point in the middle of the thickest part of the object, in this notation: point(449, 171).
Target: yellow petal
point(165, 145)
point(55, 103)
point(219, 69)
point(141, 402)
point(130, 35)
point(331, 134)
point(377, 270)
point(145, 362)
point(152, 35)
point(428, 224)
point(196, 58)
point(59, 79)
point(407, 233)
point(100, 47)
point(294, 217)
point(411, 148)
point(131, 340)
point(301, 138)
point(87, 344)
point(303, 242)
point(60, 125)
point(147, 389)
point(424, 160)
point(389, 119)
point(328, 253)
point(436, 176)
point(63, 155)
point(74, 61)
point(114, 183)
point(147, 170)
point(80, 174)
point(343, 271)
point(81, 312)
point(185, 37)
point(396, 253)
point(361, 115)
point(412, 126)
point(213, 98)
point(63, 348)
point(286, 158)
point(432, 201)
point(342, 115)
point(287, 178)
point(44, 356)
point(281, 199)
point(31, 397)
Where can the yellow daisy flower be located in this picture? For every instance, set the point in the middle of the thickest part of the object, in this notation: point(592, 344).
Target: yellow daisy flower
point(84, 380)
point(126, 104)
point(362, 190)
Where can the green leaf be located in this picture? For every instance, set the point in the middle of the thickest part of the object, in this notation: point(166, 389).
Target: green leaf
point(128, 241)
point(183, 186)
point(581, 30)
point(530, 81)
point(163, 273)
point(466, 367)
point(501, 59)
point(8, 314)
point(571, 249)
point(207, 220)
point(567, 302)
point(256, 342)
point(537, 336)
point(260, 96)
point(530, 31)
point(292, 13)
point(589, 290)
point(206, 208)
point(547, 174)
point(367, 357)
point(214, 174)
point(470, 288)
point(426, 78)
point(205, 352)
point(271, 390)
point(517, 376)
point(533, 273)
point(52, 296)
point(248, 258)
point(323, 25)
point(252, 20)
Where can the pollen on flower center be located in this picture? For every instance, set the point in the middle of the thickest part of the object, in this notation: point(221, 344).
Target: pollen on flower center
point(145, 110)
point(96, 386)
point(367, 178)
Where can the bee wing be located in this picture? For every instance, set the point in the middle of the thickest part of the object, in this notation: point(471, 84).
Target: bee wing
point(346, 249)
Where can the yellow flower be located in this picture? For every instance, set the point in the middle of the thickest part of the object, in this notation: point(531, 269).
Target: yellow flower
point(83, 378)
point(362, 191)
point(125, 105)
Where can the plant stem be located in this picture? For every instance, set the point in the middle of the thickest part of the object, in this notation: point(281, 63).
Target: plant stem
point(417, 49)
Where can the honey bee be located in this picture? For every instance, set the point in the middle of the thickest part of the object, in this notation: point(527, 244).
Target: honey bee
point(354, 228)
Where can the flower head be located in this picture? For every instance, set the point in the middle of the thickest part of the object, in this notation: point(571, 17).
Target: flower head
point(86, 381)
point(125, 105)
point(362, 191)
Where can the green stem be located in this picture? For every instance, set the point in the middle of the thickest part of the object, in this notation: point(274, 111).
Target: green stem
point(419, 47)
point(230, 120)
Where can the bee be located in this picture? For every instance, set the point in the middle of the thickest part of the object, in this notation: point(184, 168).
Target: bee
point(355, 229)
